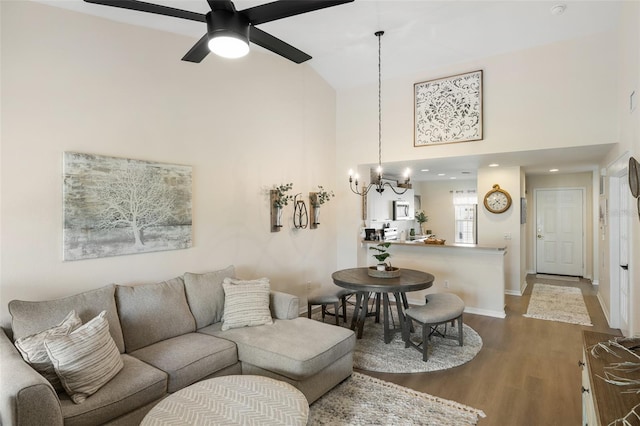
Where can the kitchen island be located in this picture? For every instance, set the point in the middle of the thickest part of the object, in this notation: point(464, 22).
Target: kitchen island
point(475, 273)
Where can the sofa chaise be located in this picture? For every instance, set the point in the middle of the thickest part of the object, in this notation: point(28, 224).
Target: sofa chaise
point(168, 335)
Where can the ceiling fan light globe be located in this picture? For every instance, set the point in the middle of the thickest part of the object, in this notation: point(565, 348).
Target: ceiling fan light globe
point(228, 47)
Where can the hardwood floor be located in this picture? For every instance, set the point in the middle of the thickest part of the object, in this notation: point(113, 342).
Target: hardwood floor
point(527, 371)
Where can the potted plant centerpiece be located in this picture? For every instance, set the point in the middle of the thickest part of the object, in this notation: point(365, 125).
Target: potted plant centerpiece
point(383, 269)
point(421, 218)
point(281, 199)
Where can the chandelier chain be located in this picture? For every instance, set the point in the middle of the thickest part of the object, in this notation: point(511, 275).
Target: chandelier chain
point(379, 34)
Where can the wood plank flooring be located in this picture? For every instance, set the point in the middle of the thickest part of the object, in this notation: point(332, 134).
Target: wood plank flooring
point(527, 371)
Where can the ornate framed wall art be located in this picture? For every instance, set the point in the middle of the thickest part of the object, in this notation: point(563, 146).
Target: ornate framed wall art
point(448, 109)
point(117, 206)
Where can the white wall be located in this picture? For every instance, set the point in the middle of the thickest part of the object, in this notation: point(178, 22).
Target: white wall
point(72, 82)
point(553, 96)
point(628, 132)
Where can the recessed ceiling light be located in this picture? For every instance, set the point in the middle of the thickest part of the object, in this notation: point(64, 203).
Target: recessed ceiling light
point(553, 170)
point(424, 170)
point(558, 9)
point(441, 174)
point(494, 165)
point(452, 177)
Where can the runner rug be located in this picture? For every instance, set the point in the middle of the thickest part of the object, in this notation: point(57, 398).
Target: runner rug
point(372, 354)
point(365, 400)
point(556, 303)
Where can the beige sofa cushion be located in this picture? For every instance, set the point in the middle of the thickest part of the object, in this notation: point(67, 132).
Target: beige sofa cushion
point(153, 312)
point(137, 385)
point(189, 358)
point(297, 348)
point(205, 294)
point(28, 318)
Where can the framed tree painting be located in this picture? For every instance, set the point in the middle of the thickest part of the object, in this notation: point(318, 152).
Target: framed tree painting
point(117, 206)
point(448, 109)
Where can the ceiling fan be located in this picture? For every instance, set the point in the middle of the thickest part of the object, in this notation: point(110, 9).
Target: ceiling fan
point(229, 30)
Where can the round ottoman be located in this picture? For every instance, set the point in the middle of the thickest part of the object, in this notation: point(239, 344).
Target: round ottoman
point(232, 400)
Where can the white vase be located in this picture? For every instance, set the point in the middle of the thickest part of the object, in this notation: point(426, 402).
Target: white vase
point(316, 215)
point(278, 216)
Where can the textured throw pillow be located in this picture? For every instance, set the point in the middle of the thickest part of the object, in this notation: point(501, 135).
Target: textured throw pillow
point(246, 303)
point(86, 359)
point(33, 351)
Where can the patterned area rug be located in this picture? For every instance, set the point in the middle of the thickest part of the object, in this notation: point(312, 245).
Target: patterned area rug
point(372, 354)
point(556, 303)
point(365, 400)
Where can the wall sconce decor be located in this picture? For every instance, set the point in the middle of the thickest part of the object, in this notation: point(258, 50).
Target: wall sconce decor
point(300, 215)
point(278, 199)
point(316, 200)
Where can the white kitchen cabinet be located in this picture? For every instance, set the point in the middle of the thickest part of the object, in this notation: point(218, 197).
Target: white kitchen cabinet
point(380, 206)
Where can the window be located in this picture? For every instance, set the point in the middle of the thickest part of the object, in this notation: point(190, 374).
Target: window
point(465, 204)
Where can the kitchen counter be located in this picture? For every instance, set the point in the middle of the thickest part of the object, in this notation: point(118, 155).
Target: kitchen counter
point(475, 273)
point(421, 243)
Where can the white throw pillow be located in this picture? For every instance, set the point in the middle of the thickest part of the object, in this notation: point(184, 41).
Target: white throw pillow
point(86, 359)
point(246, 303)
point(33, 351)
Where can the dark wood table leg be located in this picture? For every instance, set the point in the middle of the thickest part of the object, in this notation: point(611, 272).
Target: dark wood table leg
point(356, 310)
point(388, 335)
point(363, 314)
point(378, 307)
point(404, 328)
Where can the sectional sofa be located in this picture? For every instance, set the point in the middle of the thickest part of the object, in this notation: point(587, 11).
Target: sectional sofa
point(167, 336)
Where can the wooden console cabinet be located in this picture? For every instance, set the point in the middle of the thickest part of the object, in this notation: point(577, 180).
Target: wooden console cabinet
point(603, 403)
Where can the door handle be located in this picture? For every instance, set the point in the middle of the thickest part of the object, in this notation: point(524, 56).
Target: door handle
point(540, 237)
point(625, 267)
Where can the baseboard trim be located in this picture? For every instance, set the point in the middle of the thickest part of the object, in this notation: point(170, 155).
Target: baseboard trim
point(485, 312)
point(514, 292)
point(604, 311)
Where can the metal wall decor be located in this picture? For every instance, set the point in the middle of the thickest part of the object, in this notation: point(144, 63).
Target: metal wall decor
point(300, 215)
point(448, 109)
point(634, 181)
point(117, 206)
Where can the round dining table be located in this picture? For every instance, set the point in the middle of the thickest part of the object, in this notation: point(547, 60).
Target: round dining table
point(358, 279)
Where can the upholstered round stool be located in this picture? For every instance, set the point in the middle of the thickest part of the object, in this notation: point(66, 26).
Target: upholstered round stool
point(232, 400)
point(333, 295)
point(440, 308)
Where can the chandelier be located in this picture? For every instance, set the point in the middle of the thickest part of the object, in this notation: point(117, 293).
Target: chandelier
point(378, 181)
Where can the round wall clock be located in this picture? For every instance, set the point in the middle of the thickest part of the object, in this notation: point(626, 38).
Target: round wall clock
point(497, 200)
point(634, 177)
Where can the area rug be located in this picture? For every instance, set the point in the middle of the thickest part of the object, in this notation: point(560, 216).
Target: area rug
point(372, 354)
point(556, 303)
point(365, 400)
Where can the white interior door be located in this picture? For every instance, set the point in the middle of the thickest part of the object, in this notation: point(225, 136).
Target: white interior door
point(623, 242)
point(560, 231)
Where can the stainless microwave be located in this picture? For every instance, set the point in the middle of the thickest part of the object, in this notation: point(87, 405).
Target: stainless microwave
point(402, 210)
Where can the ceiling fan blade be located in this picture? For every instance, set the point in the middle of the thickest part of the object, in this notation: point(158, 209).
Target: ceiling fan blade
point(285, 8)
point(199, 50)
point(221, 5)
point(276, 45)
point(151, 8)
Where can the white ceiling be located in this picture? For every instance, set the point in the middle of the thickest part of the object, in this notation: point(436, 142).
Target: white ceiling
point(420, 35)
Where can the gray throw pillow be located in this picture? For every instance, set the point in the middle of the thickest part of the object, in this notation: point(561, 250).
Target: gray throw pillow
point(35, 354)
point(86, 359)
point(246, 303)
